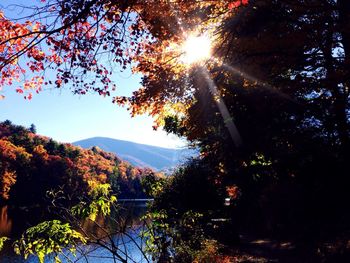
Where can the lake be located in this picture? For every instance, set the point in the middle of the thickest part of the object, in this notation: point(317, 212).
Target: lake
point(109, 231)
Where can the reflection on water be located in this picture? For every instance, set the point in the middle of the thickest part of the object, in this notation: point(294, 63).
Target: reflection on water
point(5, 222)
point(108, 230)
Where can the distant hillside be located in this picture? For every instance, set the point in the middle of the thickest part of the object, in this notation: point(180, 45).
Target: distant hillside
point(140, 154)
point(31, 165)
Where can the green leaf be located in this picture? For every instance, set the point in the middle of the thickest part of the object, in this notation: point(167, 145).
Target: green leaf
point(2, 241)
point(46, 238)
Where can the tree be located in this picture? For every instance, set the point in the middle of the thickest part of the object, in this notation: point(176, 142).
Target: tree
point(80, 32)
point(9, 154)
point(32, 128)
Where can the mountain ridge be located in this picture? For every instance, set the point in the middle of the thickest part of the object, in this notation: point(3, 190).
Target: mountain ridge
point(143, 155)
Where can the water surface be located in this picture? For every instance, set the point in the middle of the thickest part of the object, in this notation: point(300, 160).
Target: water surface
point(13, 221)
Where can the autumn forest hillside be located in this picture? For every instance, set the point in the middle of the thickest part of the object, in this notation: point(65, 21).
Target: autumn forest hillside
point(31, 166)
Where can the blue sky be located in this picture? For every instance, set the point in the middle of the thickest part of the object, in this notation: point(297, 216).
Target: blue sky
point(65, 117)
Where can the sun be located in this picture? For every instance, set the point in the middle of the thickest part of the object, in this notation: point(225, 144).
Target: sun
point(196, 49)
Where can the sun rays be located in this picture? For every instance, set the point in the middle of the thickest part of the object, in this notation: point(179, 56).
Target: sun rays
point(228, 120)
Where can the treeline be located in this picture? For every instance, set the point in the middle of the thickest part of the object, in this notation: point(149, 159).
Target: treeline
point(31, 166)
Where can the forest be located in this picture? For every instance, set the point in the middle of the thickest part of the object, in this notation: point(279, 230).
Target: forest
point(263, 93)
point(31, 165)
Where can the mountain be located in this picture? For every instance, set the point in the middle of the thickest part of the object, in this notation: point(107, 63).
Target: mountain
point(138, 154)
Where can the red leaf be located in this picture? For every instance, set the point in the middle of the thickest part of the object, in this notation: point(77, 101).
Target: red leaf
point(237, 3)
